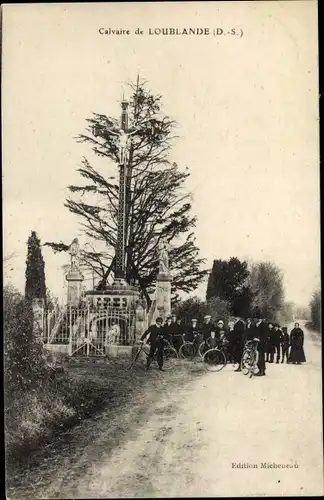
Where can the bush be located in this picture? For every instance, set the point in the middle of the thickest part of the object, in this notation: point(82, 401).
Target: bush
point(315, 307)
point(32, 399)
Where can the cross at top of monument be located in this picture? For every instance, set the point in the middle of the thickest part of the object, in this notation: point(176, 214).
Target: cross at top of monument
point(123, 133)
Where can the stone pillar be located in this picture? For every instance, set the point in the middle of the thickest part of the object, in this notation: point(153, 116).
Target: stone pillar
point(38, 306)
point(141, 318)
point(74, 279)
point(163, 295)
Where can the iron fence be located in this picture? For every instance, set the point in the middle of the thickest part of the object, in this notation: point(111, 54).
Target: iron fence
point(89, 331)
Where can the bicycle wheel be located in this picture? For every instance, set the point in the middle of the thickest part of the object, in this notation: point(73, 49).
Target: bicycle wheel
point(169, 354)
point(134, 358)
point(254, 363)
point(187, 350)
point(214, 360)
point(203, 348)
point(246, 363)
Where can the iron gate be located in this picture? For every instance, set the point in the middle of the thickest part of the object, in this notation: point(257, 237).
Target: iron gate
point(89, 331)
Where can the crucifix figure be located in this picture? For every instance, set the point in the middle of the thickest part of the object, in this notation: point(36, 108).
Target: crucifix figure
point(123, 142)
point(124, 133)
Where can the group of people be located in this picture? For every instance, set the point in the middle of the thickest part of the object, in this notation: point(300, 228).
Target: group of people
point(275, 344)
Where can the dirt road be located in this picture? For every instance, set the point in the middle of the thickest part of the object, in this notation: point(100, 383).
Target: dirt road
point(190, 439)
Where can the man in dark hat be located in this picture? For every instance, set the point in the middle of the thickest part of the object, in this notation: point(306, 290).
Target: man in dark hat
point(192, 331)
point(285, 342)
point(238, 342)
point(248, 333)
point(167, 322)
point(155, 335)
point(175, 331)
point(207, 327)
point(260, 331)
point(276, 341)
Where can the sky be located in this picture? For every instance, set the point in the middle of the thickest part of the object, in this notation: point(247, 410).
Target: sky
point(247, 113)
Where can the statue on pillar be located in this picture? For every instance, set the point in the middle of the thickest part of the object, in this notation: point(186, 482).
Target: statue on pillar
point(74, 252)
point(163, 257)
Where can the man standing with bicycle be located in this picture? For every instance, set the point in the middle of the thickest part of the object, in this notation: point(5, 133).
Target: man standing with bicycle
point(261, 332)
point(192, 332)
point(238, 342)
point(155, 335)
point(208, 331)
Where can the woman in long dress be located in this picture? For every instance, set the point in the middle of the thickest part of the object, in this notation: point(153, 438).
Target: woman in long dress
point(297, 354)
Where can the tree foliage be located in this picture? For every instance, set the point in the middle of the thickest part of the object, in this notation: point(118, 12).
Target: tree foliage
point(157, 207)
point(25, 359)
point(35, 287)
point(227, 281)
point(191, 308)
point(266, 283)
point(315, 307)
point(286, 314)
point(31, 396)
point(197, 308)
point(302, 312)
point(219, 309)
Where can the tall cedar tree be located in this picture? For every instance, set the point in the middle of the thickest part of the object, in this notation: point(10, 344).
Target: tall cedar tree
point(157, 204)
point(35, 287)
point(227, 281)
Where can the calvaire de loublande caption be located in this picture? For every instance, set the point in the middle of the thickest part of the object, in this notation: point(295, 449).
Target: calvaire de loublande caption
point(238, 32)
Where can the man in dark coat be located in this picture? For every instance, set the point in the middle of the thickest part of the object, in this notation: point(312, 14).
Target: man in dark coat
point(261, 332)
point(297, 354)
point(269, 344)
point(175, 331)
point(230, 338)
point(285, 342)
point(192, 331)
point(275, 343)
point(208, 331)
point(249, 327)
point(155, 335)
point(207, 327)
point(238, 342)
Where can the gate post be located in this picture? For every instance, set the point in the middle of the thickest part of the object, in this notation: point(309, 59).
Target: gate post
point(70, 331)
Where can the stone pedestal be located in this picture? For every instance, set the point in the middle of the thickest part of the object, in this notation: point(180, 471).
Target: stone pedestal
point(141, 318)
point(74, 279)
point(120, 304)
point(162, 296)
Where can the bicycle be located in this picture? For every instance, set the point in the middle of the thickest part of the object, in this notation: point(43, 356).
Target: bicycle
point(172, 344)
point(169, 352)
point(189, 349)
point(250, 358)
point(204, 346)
point(215, 359)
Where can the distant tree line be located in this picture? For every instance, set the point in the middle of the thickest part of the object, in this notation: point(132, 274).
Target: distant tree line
point(237, 289)
point(315, 309)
